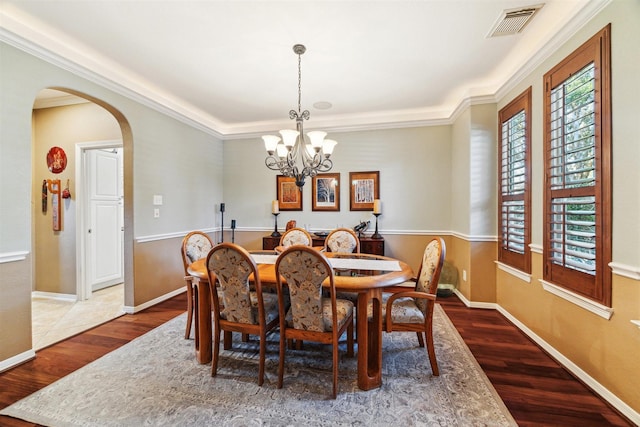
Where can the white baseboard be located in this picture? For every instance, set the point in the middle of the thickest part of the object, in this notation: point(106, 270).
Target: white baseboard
point(54, 296)
point(598, 388)
point(475, 304)
point(587, 379)
point(17, 360)
point(135, 309)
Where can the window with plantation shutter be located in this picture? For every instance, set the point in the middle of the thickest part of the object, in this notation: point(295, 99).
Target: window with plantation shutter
point(577, 239)
point(514, 169)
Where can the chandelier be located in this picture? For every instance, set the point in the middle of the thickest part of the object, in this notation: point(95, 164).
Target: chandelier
point(295, 155)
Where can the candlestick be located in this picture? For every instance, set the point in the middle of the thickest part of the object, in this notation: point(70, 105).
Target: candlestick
point(376, 235)
point(222, 223)
point(275, 227)
point(233, 231)
point(275, 208)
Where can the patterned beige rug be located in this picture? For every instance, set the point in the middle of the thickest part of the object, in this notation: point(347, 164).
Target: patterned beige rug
point(156, 381)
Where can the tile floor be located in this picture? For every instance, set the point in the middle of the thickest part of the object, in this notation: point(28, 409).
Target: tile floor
point(54, 320)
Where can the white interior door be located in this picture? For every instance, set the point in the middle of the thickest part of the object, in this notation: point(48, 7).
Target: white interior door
point(105, 223)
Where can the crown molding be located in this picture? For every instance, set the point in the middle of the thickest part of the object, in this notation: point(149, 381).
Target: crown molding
point(25, 38)
point(98, 70)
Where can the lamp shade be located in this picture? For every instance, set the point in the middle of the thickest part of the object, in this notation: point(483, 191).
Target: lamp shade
point(270, 142)
point(289, 137)
point(281, 150)
point(316, 137)
point(327, 146)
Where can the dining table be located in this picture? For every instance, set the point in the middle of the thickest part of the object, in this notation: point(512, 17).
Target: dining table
point(364, 274)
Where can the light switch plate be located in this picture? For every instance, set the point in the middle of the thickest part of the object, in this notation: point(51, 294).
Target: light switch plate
point(157, 199)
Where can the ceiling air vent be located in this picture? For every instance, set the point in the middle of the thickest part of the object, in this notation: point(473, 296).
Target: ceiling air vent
point(513, 21)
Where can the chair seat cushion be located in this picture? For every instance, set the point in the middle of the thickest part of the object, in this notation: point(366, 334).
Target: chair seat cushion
point(403, 310)
point(344, 309)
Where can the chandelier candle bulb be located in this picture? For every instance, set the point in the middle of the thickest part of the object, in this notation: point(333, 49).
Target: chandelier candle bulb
point(275, 208)
point(376, 206)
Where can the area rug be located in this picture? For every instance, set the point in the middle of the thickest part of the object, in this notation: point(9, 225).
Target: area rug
point(155, 380)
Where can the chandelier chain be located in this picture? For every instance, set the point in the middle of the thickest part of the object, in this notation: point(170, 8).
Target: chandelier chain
point(299, 82)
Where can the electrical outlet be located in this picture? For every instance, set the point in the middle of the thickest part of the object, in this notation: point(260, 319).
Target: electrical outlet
point(156, 213)
point(464, 275)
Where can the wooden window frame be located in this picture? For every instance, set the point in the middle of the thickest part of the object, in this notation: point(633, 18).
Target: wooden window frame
point(597, 286)
point(521, 261)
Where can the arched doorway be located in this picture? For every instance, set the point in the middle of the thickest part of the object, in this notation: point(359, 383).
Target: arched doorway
point(74, 123)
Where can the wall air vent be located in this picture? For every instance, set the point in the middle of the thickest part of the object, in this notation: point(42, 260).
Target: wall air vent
point(513, 21)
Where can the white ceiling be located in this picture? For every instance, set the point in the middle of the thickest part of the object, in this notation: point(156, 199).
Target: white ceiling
point(230, 67)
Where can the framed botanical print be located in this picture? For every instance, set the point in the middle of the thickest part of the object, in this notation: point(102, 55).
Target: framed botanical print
point(289, 195)
point(365, 188)
point(326, 192)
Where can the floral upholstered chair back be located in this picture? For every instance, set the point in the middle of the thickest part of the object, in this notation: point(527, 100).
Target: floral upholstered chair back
point(295, 236)
point(304, 270)
point(429, 273)
point(195, 245)
point(342, 240)
point(231, 265)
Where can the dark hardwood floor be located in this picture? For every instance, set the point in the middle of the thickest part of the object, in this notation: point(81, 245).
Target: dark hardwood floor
point(536, 389)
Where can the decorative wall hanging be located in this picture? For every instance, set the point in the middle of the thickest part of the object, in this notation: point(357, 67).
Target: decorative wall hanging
point(45, 199)
point(54, 189)
point(66, 194)
point(326, 192)
point(365, 188)
point(56, 160)
point(289, 195)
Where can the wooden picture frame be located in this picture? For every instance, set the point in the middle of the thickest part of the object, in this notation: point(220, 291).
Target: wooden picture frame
point(364, 189)
point(326, 192)
point(289, 195)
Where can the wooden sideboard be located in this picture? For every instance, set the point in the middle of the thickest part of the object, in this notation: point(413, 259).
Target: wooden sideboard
point(367, 244)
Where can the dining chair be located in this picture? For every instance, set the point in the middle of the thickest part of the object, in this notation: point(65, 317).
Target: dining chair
point(412, 310)
point(342, 240)
point(245, 310)
point(311, 317)
point(295, 236)
point(195, 245)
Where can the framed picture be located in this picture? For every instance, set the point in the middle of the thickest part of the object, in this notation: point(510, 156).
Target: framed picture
point(365, 188)
point(289, 195)
point(326, 192)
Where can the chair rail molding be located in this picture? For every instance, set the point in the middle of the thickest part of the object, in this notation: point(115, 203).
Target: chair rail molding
point(173, 235)
point(625, 270)
point(13, 256)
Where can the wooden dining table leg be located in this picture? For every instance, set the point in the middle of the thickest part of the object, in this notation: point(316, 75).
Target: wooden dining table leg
point(369, 340)
point(203, 332)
